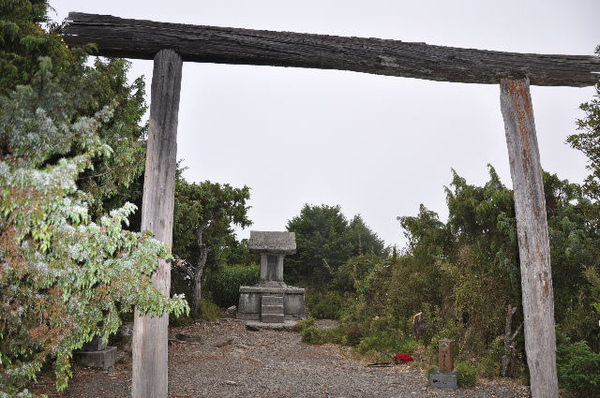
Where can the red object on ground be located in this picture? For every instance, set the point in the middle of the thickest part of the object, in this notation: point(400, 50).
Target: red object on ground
point(403, 357)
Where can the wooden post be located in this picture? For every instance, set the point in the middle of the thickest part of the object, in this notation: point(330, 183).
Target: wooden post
point(150, 334)
point(532, 231)
point(446, 355)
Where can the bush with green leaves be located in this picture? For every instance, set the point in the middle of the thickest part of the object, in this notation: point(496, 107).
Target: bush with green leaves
point(325, 304)
point(311, 334)
point(224, 284)
point(63, 277)
point(578, 367)
point(467, 373)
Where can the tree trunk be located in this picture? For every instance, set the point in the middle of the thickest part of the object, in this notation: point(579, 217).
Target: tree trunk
point(130, 38)
point(508, 359)
point(150, 334)
point(198, 272)
point(532, 231)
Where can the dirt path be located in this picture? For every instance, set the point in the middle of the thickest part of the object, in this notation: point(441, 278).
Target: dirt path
point(224, 359)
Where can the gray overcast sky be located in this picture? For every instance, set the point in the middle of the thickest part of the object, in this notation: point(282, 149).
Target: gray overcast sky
point(378, 146)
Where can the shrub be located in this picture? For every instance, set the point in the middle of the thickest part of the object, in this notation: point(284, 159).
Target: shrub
point(209, 311)
point(390, 341)
point(467, 373)
point(325, 304)
point(65, 276)
point(311, 334)
point(224, 283)
point(578, 367)
point(181, 320)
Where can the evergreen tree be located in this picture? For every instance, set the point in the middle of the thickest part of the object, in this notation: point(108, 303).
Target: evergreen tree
point(205, 215)
point(325, 240)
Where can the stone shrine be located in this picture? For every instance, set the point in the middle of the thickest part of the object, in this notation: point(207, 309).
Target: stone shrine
point(271, 300)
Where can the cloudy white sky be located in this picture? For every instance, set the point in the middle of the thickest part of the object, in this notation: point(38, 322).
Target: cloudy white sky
point(377, 146)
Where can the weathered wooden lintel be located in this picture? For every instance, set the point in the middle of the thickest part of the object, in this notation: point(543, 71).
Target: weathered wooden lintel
point(131, 38)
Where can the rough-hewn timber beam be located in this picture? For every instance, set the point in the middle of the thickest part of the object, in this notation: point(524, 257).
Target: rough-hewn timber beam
point(130, 38)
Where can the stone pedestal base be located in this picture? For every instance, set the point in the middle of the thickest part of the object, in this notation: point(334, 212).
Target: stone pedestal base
point(252, 307)
point(97, 359)
point(444, 380)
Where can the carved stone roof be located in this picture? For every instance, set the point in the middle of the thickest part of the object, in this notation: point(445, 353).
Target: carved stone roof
point(272, 242)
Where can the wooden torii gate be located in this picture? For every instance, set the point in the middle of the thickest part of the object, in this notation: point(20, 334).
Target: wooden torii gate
point(169, 45)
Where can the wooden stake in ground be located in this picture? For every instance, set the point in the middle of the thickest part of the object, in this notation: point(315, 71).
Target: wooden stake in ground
point(150, 334)
point(532, 231)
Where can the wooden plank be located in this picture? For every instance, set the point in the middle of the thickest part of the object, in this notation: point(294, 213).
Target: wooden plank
point(150, 334)
point(532, 231)
point(129, 38)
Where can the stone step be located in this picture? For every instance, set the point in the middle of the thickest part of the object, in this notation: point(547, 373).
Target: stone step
point(272, 318)
point(271, 309)
point(272, 300)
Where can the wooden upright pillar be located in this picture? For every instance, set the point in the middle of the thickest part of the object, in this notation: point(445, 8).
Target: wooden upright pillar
point(150, 334)
point(532, 231)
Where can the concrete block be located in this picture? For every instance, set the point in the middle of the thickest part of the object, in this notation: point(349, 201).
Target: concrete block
point(97, 359)
point(295, 303)
point(438, 379)
point(249, 302)
point(272, 318)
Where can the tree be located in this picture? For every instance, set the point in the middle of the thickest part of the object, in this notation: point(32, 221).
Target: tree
point(325, 240)
point(366, 241)
point(204, 216)
point(588, 140)
point(63, 277)
point(113, 180)
point(119, 178)
point(418, 276)
point(24, 41)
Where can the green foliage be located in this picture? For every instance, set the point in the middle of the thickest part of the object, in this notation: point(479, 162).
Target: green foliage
point(489, 365)
point(467, 373)
point(118, 178)
point(113, 179)
point(210, 209)
point(390, 341)
point(325, 303)
point(593, 277)
point(64, 278)
point(458, 275)
point(181, 320)
point(578, 367)
point(588, 141)
point(326, 240)
point(573, 243)
point(23, 42)
point(311, 334)
point(209, 311)
point(203, 234)
point(223, 284)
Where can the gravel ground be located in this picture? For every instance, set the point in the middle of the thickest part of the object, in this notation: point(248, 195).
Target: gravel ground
point(225, 359)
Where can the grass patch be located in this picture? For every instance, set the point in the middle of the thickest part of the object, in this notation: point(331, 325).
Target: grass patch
point(311, 334)
point(209, 311)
